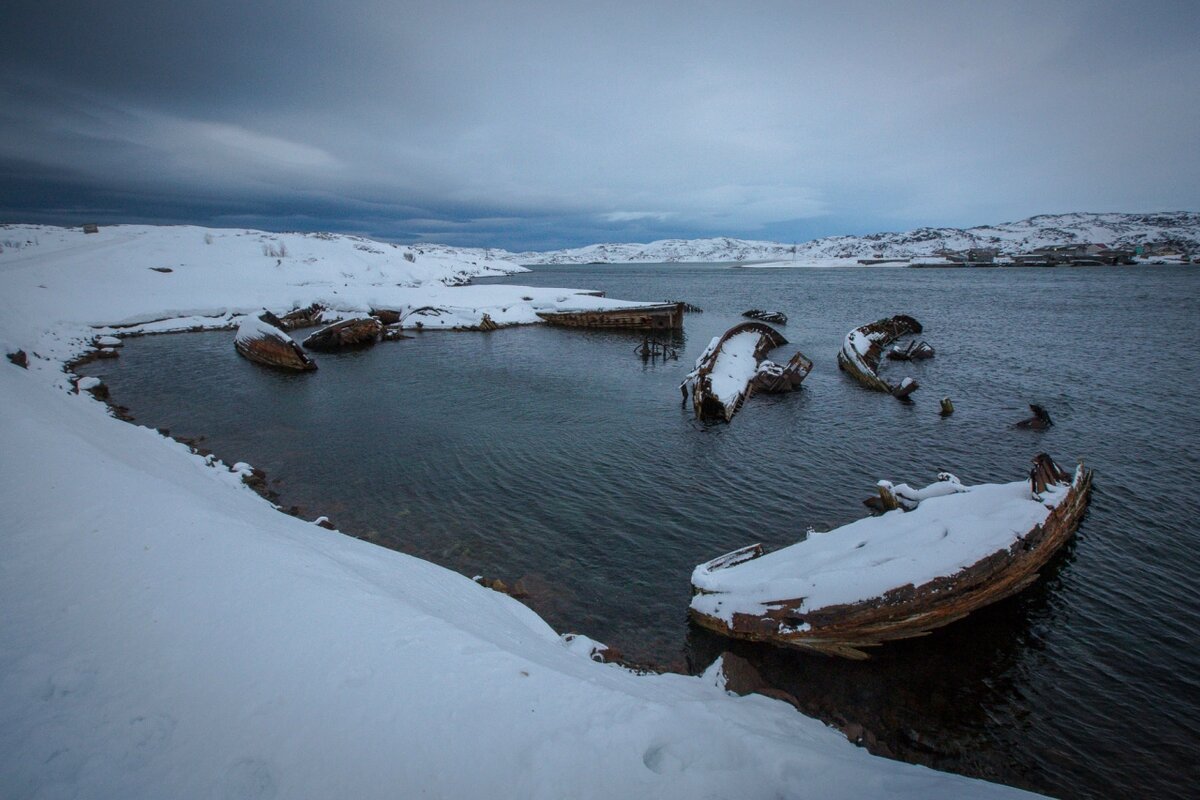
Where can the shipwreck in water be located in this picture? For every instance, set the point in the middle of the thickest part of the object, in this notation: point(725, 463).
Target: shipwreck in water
point(656, 317)
point(353, 332)
point(863, 347)
point(262, 339)
point(735, 365)
point(944, 551)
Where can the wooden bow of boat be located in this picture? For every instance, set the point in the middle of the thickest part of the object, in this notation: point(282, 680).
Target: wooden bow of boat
point(746, 607)
point(262, 339)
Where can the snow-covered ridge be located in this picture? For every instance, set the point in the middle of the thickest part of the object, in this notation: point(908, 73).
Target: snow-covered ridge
point(1114, 230)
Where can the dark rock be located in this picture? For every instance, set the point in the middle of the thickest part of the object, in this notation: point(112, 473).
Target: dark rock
point(19, 358)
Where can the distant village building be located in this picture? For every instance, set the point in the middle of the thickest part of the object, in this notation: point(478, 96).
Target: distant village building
point(91, 227)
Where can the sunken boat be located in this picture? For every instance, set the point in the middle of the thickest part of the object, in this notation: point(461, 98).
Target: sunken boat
point(944, 551)
point(262, 339)
point(354, 332)
point(655, 317)
point(863, 347)
point(735, 365)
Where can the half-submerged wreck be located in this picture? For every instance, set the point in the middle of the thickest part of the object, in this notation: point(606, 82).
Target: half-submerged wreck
point(262, 339)
point(863, 347)
point(734, 366)
point(353, 332)
point(656, 317)
point(947, 550)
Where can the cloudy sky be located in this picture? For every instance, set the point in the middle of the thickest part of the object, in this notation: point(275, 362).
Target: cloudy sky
point(534, 125)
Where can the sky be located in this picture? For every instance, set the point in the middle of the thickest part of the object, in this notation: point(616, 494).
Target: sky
point(539, 125)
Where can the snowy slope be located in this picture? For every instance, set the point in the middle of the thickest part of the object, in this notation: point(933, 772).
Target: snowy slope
point(1124, 230)
point(167, 633)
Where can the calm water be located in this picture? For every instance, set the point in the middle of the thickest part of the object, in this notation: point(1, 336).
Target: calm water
point(560, 458)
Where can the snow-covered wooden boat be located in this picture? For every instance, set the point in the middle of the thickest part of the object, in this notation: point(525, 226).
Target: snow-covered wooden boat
point(734, 366)
point(353, 332)
point(863, 347)
point(956, 549)
point(659, 316)
point(262, 339)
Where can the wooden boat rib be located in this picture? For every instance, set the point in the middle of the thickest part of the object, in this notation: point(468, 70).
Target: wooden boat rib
point(822, 593)
point(659, 316)
point(863, 347)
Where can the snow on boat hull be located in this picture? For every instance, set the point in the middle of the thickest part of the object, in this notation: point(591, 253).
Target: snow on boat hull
point(848, 628)
point(262, 339)
point(865, 344)
point(734, 366)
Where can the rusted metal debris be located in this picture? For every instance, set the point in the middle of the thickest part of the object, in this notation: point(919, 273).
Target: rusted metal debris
point(355, 332)
point(913, 351)
point(1038, 422)
point(687, 307)
point(776, 317)
point(660, 316)
point(262, 339)
point(848, 630)
point(725, 375)
point(863, 347)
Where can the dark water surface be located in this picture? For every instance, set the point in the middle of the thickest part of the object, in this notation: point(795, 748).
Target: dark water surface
point(558, 457)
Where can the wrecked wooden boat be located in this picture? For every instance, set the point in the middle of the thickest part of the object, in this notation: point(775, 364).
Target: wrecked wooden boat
point(863, 347)
point(262, 339)
point(947, 550)
point(353, 332)
point(658, 317)
point(734, 366)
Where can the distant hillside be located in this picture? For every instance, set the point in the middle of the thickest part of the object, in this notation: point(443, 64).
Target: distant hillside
point(1123, 230)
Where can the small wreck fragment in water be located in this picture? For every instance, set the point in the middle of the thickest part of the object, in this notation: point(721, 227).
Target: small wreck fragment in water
point(262, 339)
point(734, 366)
point(354, 332)
point(777, 317)
point(956, 549)
point(863, 347)
point(1038, 422)
point(914, 351)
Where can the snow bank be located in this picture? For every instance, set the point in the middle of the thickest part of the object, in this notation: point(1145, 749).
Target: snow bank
point(953, 527)
point(166, 633)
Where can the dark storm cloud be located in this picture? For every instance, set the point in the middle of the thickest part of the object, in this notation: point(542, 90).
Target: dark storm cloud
point(542, 124)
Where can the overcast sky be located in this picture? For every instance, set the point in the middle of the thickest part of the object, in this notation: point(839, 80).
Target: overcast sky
point(539, 125)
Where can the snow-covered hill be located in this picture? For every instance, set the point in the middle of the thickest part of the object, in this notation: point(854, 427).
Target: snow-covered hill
point(1123, 230)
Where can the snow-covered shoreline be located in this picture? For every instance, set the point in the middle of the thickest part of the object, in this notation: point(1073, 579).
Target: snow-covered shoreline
point(167, 633)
